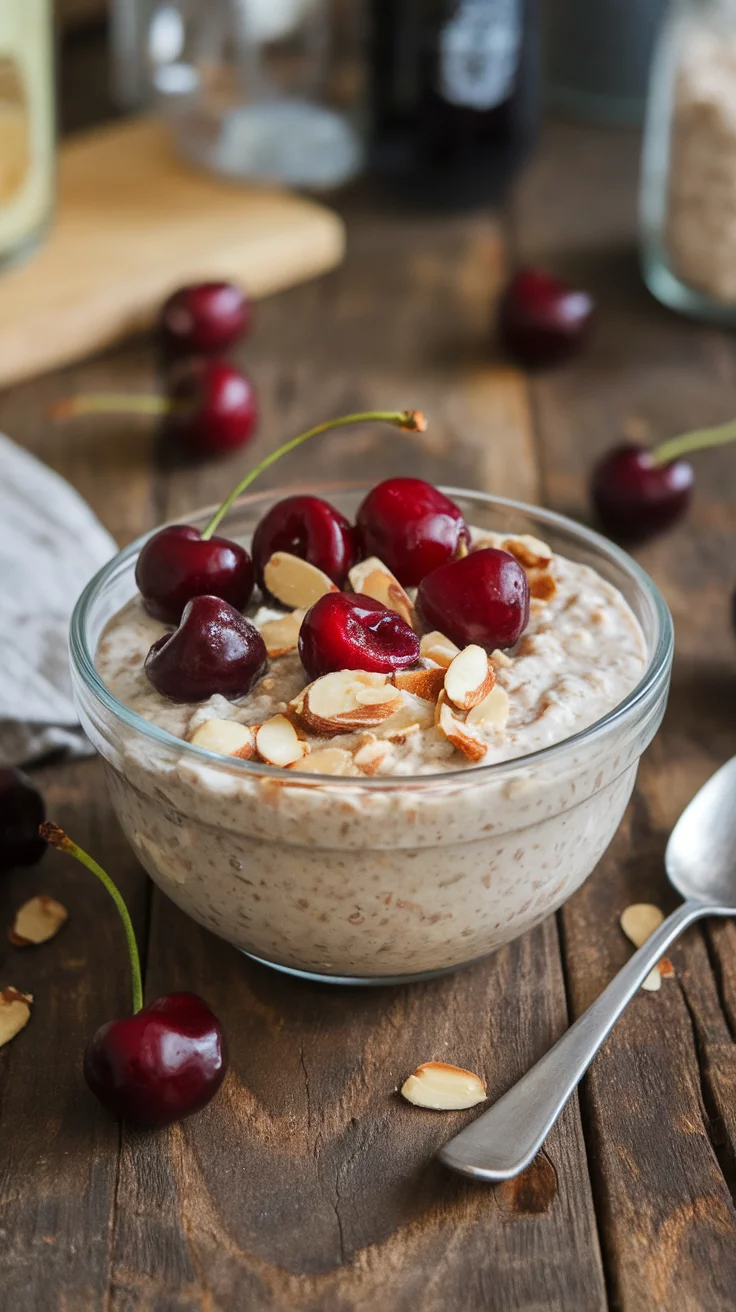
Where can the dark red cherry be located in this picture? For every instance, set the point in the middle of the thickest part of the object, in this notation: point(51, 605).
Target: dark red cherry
point(203, 318)
point(482, 598)
point(177, 564)
point(214, 650)
point(542, 320)
point(411, 526)
point(310, 528)
point(213, 407)
point(163, 1063)
point(635, 497)
point(21, 812)
point(349, 631)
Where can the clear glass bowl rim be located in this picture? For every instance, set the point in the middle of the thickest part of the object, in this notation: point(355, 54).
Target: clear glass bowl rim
point(654, 676)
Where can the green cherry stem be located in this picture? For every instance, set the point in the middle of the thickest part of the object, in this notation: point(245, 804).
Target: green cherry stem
point(411, 420)
point(58, 839)
point(698, 440)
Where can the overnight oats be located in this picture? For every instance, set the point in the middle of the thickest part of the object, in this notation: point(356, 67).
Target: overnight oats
point(371, 770)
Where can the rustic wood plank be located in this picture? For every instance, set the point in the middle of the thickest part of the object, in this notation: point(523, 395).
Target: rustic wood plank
point(308, 1184)
point(666, 1212)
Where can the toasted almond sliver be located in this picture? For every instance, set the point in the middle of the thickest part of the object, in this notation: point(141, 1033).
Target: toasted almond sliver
point(469, 678)
point(542, 585)
point(639, 922)
point(409, 718)
point(436, 647)
point(374, 579)
point(441, 1087)
point(666, 968)
point(456, 733)
point(37, 921)
point(282, 636)
point(530, 552)
point(15, 1013)
point(371, 756)
point(427, 684)
point(277, 742)
point(331, 703)
point(326, 760)
point(492, 711)
point(226, 737)
point(294, 582)
point(653, 981)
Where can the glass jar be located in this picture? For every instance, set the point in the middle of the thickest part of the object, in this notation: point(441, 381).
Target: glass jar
point(264, 90)
point(26, 124)
point(688, 193)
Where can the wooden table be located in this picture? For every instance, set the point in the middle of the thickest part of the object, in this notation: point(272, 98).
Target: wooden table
point(308, 1184)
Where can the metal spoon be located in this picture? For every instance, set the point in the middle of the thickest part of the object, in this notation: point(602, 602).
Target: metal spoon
point(701, 864)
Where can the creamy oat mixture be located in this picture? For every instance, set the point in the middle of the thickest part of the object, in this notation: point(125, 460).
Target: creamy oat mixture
point(580, 654)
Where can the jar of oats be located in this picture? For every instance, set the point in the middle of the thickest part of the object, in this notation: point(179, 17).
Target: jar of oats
point(688, 194)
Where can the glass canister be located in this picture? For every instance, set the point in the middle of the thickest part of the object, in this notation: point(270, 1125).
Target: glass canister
point(263, 90)
point(688, 191)
point(26, 124)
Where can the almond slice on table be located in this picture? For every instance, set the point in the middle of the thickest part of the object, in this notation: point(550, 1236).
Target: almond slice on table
point(37, 921)
point(469, 678)
point(427, 684)
point(374, 579)
point(456, 733)
point(332, 703)
point(281, 636)
point(227, 737)
point(493, 711)
point(436, 647)
point(326, 760)
point(294, 582)
point(530, 552)
point(15, 1013)
point(639, 922)
point(278, 743)
point(441, 1087)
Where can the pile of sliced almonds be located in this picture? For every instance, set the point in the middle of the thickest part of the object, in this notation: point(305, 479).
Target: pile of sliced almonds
point(638, 923)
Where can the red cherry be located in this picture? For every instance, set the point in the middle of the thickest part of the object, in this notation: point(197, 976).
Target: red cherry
point(21, 813)
point(163, 1063)
point(411, 526)
point(635, 497)
point(214, 650)
point(310, 528)
point(349, 631)
point(203, 318)
point(177, 564)
point(542, 320)
point(212, 407)
point(482, 598)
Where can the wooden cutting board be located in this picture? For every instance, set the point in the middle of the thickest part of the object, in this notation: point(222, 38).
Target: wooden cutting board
point(133, 222)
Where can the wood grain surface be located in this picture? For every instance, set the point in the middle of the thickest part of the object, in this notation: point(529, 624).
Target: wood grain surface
point(308, 1186)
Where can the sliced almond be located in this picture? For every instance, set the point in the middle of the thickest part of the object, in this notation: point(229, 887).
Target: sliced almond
point(530, 552)
point(542, 584)
point(443, 1088)
point(374, 579)
point(226, 737)
point(639, 922)
point(456, 733)
point(278, 743)
point(281, 636)
point(493, 711)
point(427, 684)
point(500, 660)
point(331, 704)
point(371, 756)
point(436, 647)
point(469, 678)
point(326, 760)
point(15, 1013)
point(653, 981)
point(37, 921)
point(294, 582)
point(409, 719)
point(666, 968)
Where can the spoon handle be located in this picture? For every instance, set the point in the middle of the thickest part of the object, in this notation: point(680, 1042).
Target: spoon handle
point(501, 1142)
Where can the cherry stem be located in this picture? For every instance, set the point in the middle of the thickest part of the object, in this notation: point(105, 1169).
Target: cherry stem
point(111, 403)
point(57, 838)
point(695, 441)
point(411, 420)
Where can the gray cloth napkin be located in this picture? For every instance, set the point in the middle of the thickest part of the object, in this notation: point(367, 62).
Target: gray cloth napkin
point(50, 546)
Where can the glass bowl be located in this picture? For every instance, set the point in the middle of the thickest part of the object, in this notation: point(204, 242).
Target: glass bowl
point(373, 880)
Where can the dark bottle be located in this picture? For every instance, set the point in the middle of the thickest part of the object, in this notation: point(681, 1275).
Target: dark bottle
point(455, 95)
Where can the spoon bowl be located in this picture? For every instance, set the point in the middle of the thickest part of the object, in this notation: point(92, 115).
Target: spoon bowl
point(701, 852)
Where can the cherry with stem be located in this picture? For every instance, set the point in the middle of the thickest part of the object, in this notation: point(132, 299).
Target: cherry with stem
point(165, 1061)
